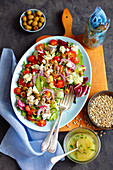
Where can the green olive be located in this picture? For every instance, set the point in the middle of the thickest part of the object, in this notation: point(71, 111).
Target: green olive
point(35, 28)
point(34, 14)
point(28, 12)
point(27, 27)
point(39, 13)
point(30, 22)
point(42, 19)
point(30, 17)
point(24, 18)
point(34, 23)
point(24, 23)
point(39, 24)
point(36, 18)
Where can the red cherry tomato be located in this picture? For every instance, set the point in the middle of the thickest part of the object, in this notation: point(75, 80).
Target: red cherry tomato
point(29, 84)
point(83, 69)
point(53, 42)
point(34, 70)
point(60, 68)
point(29, 118)
point(76, 60)
point(60, 84)
point(40, 46)
point(71, 54)
point(69, 70)
point(58, 59)
point(34, 62)
point(17, 90)
point(41, 122)
point(21, 82)
point(26, 71)
point(30, 112)
point(27, 65)
point(40, 58)
point(27, 108)
point(31, 58)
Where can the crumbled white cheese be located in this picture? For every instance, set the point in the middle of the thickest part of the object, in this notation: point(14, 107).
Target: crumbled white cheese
point(69, 64)
point(44, 61)
point(62, 49)
point(74, 48)
point(46, 115)
point(35, 66)
point(27, 77)
point(30, 100)
point(70, 78)
point(36, 102)
point(29, 92)
point(35, 90)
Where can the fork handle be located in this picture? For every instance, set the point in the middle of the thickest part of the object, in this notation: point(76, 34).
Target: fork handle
point(47, 140)
point(53, 144)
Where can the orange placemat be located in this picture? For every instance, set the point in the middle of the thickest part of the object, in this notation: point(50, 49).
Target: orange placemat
point(99, 80)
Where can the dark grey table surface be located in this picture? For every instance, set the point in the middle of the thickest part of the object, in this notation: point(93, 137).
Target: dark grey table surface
point(12, 36)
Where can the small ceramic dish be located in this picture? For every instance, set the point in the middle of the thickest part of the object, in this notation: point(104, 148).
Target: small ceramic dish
point(34, 20)
point(88, 142)
point(100, 109)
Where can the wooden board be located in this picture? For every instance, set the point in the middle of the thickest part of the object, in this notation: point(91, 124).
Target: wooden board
point(99, 80)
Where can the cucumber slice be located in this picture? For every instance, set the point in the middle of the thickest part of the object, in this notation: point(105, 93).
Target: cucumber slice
point(59, 93)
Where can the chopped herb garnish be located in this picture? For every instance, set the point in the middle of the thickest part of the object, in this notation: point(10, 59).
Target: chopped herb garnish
point(81, 137)
point(88, 84)
point(80, 146)
point(88, 147)
point(71, 146)
point(85, 137)
point(84, 150)
point(92, 149)
point(77, 136)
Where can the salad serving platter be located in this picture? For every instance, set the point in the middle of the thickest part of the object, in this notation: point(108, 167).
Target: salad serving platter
point(68, 115)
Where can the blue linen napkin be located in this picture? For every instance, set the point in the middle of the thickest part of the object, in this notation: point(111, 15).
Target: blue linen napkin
point(20, 142)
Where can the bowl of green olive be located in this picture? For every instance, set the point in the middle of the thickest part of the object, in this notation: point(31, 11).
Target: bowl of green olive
point(32, 20)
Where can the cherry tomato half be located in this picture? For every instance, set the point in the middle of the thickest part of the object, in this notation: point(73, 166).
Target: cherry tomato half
point(60, 84)
point(34, 62)
point(53, 42)
point(40, 58)
point(83, 69)
point(58, 59)
point(41, 122)
point(76, 60)
point(69, 70)
point(27, 65)
point(27, 108)
point(17, 90)
point(29, 118)
point(29, 84)
point(21, 82)
point(60, 68)
point(31, 58)
point(30, 112)
point(71, 54)
point(34, 70)
point(26, 71)
point(40, 46)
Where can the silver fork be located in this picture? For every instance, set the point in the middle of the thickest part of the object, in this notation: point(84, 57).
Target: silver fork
point(65, 104)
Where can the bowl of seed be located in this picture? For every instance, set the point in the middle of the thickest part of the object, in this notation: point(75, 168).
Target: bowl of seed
point(100, 109)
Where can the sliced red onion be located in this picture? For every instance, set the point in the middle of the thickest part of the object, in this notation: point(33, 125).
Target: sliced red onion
point(84, 90)
point(67, 72)
point(21, 108)
point(34, 79)
point(50, 90)
point(41, 51)
point(47, 106)
point(41, 73)
point(85, 79)
point(71, 87)
point(20, 103)
point(39, 111)
point(78, 86)
point(73, 65)
point(63, 78)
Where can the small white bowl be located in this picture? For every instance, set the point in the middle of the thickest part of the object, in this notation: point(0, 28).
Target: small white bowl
point(24, 14)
